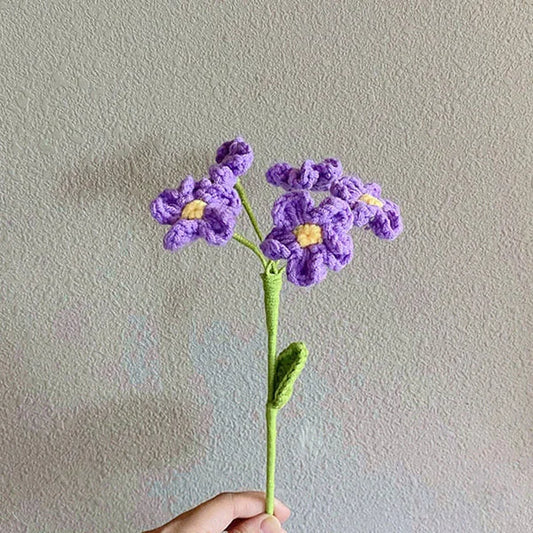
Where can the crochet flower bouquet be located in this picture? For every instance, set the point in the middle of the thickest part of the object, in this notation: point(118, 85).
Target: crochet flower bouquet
point(305, 242)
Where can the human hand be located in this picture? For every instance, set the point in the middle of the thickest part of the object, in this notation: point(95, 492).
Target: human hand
point(235, 512)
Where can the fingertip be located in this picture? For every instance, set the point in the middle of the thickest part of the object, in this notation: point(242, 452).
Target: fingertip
point(270, 525)
point(281, 504)
point(241, 499)
point(281, 511)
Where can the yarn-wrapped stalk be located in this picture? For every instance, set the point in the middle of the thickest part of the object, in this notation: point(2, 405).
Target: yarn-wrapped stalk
point(272, 282)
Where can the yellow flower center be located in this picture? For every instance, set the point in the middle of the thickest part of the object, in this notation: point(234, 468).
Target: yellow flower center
point(308, 234)
point(194, 209)
point(370, 200)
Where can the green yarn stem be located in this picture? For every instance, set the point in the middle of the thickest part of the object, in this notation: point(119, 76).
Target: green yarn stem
point(271, 414)
point(248, 208)
point(272, 282)
point(255, 249)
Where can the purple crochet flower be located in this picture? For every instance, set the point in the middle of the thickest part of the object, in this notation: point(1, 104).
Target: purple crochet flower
point(311, 239)
point(197, 209)
point(310, 176)
point(233, 158)
point(369, 209)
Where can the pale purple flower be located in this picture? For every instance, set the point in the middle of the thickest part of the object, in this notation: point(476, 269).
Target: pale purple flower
point(369, 209)
point(197, 209)
point(311, 239)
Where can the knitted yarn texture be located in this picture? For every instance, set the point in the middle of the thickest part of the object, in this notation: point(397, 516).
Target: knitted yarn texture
point(311, 239)
point(311, 175)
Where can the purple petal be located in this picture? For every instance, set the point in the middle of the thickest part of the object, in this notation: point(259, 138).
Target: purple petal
point(292, 180)
point(222, 175)
point(187, 186)
point(307, 269)
point(280, 244)
point(333, 213)
point(339, 249)
point(203, 186)
point(237, 155)
point(373, 189)
point(240, 164)
point(223, 150)
point(166, 208)
point(292, 209)
point(348, 188)
point(388, 223)
point(278, 174)
point(364, 213)
point(304, 178)
point(328, 170)
point(217, 224)
point(181, 234)
point(218, 194)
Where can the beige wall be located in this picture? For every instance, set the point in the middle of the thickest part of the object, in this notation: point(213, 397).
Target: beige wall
point(132, 378)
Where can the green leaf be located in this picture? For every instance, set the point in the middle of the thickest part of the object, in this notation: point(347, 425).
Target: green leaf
point(289, 365)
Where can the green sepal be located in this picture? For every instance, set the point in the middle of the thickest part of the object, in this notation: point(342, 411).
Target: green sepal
point(289, 365)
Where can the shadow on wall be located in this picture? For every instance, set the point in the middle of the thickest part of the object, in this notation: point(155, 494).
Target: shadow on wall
point(63, 459)
point(120, 187)
point(133, 173)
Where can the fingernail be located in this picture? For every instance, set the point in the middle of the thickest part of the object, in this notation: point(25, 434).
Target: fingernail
point(270, 525)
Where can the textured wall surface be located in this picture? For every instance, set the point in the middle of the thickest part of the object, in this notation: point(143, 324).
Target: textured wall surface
point(132, 379)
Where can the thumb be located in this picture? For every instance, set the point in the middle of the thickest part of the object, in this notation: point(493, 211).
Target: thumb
point(263, 523)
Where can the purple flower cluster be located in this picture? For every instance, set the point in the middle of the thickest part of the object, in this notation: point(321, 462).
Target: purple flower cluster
point(312, 239)
point(207, 208)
